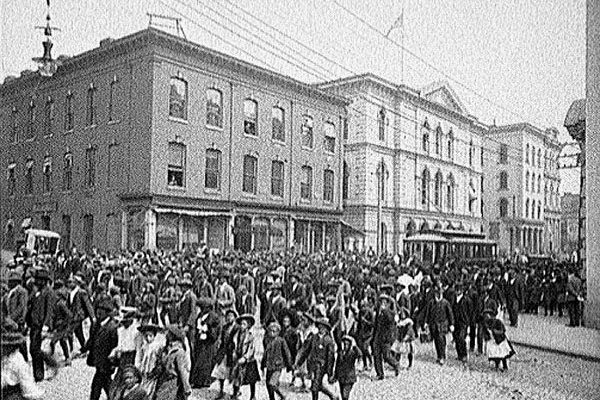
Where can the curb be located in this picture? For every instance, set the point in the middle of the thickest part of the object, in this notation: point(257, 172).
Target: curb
point(585, 357)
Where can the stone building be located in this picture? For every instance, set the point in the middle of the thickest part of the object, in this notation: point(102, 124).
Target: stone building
point(413, 162)
point(152, 141)
point(570, 224)
point(522, 189)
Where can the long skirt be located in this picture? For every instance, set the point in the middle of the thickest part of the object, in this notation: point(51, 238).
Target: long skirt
point(499, 351)
point(221, 370)
point(169, 389)
point(202, 364)
point(245, 374)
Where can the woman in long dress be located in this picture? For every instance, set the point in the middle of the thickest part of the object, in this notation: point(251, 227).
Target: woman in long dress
point(208, 330)
point(174, 368)
point(147, 356)
point(245, 367)
point(224, 357)
point(498, 347)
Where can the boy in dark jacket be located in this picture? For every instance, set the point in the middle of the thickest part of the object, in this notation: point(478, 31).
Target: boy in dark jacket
point(345, 369)
point(275, 358)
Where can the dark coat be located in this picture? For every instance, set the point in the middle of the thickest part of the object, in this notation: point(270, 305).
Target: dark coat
point(81, 306)
point(298, 297)
point(16, 305)
point(439, 315)
point(41, 309)
point(103, 339)
point(345, 367)
point(137, 393)
point(463, 312)
point(319, 354)
point(246, 306)
point(188, 310)
point(276, 355)
point(385, 327)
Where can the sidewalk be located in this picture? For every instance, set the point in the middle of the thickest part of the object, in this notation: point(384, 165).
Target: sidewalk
point(550, 333)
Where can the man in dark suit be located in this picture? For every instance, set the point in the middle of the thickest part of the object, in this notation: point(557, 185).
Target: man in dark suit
point(188, 312)
point(14, 306)
point(81, 306)
point(298, 299)
point(439, 317)
point(319, 353)
point(513, 301)
point(40, 315)
point(462, 309)
point(244, 302)
point(574, 298)
point(103, 339)
point(384, 334)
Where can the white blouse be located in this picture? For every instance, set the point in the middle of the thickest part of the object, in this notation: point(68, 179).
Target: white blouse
point(16, 371)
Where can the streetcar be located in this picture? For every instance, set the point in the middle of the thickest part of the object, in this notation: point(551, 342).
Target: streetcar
point(436, 247)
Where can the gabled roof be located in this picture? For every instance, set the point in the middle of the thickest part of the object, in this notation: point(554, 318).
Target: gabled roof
point(442, 93)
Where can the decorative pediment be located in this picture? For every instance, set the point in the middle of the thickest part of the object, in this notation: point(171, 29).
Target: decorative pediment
point(443, 94)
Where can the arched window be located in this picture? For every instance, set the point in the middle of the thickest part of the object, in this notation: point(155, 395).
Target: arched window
point(278, 123)
point(438, 190)
point(250, 117)
point(471, 152)
point(306, 183)
point(214, 108)
point(381, 173)
point(425, 137)
point(381, 124)
point(527, 153)
point(438, 141)
point(249, 173)
point(450, 148)
point(539, 211)
point(539, 184)
point(67, 171)
point(527, 181)
point(91, 106)
point(450, 193)
point(503, 180)
point(503, 207)
point(539, 156)
point(306, 130)
point(527, 208)
point(212, 169)
point(345, 181)
point(425, 179)
point(178, 98)
point(47, 171)
point(29, 176)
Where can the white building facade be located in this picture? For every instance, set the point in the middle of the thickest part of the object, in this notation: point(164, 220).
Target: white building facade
point(413, 162)
point(521, 189)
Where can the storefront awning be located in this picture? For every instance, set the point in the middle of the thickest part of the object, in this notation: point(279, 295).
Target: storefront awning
point(351, 230)
point(192, 213)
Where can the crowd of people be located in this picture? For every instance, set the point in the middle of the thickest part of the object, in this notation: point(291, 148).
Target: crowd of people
point(162, 323)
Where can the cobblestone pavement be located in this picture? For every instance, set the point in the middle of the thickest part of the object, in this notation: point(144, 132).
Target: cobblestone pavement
point(533, 374)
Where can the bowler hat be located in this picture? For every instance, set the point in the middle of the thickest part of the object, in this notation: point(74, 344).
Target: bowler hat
point(41, 274)
point(323, 322)
point(246, 317)
point(14, 276)
point(150, 328)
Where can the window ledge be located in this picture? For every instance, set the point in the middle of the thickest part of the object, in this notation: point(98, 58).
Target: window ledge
point(179, 120)
point(277, 198)
point(212, 191)
point(113, 122)
point(176, 188)
point(307, 148)
point(305, 201)
point(249, 195)
point(90, 126)
point(249, 136)
point(214, 128)
point(278, 142)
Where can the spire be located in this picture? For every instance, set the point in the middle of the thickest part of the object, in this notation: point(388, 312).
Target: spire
point(47, 65)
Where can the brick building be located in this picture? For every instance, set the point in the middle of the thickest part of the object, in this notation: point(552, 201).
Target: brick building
point(413, 162)
point(152, 141)
point(522, 189)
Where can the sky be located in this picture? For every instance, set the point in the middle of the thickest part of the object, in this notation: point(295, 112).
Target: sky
point(509, 61)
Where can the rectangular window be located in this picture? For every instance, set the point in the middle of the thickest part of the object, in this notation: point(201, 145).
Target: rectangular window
point(90, 118)
point(471, 154)
point(307, 131)
point(306, 183)
point(47, 186)
point(49, 114)
point(503, 153)
point(249, 174)
point(212, 173)
point(329, 139)
point(112, 98)
point(11, 178)
point(277, 177)
point(14, 126)
point(250, 117)
point(67, 171)
point(214, 108)
point(176, 165)
point(88, 232)
point(278, 122)
point(66, 232)
point(328, 186)
point(90, 167)
point(345, 128)
point(69, 117)
point(113, 163)
point(31, 121)
point(178, 98)
point(29, 177)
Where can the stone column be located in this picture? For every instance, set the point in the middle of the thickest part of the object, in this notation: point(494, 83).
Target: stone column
point(150, 230)
point(124, 226)
point(291, 231)
point(180, 232)
point(323, 232)
point(229, 228)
